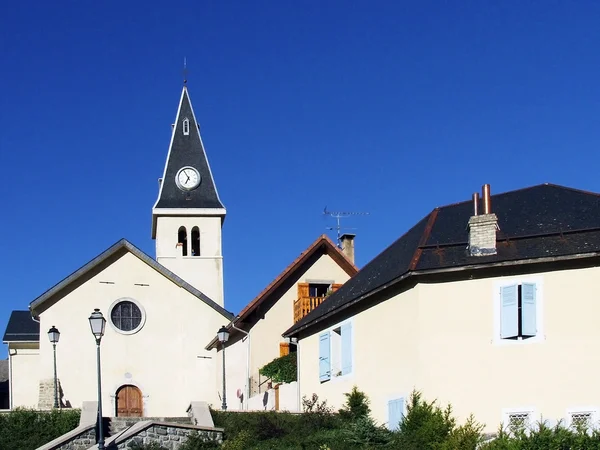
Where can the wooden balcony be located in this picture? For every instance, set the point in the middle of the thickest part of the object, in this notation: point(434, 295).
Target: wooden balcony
point(304, 305)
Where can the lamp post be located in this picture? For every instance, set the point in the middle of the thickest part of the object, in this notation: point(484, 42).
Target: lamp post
point(223, 336)
point(54, 336)
point(97, 324)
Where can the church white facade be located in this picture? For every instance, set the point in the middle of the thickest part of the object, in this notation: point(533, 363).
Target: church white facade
point(159, 311)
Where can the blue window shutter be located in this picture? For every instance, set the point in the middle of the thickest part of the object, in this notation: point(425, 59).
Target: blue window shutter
point(528, 309)
point(509, 314)
point(395, 413)
point(346, 348)
point(324, 357)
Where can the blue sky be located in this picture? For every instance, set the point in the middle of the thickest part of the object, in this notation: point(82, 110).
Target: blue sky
point(392, 108)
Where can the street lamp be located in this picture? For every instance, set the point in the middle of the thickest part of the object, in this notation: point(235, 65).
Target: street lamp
point(97, 324)
point(223, 335)
point(54, 336)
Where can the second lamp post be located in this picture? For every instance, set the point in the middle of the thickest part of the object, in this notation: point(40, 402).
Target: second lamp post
point(97, 324)
point(54, 336)
point(223, 336)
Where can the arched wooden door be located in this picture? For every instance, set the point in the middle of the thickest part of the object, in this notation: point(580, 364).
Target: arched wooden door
point(129, 402)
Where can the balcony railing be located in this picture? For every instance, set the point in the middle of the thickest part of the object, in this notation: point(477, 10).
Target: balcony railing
point(304, 305)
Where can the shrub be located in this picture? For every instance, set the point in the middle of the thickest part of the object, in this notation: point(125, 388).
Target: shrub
point(282, 369)
point(25, 429)
point(196, 441)
point(357, 405)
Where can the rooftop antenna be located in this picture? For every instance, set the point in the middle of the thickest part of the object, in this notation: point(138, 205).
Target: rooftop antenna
point(338, 216)
point(184, 71)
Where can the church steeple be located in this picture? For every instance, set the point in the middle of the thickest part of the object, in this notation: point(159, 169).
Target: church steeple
point(188, 213)
point(177, 187)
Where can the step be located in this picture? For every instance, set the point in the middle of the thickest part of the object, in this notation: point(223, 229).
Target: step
point(118, 424)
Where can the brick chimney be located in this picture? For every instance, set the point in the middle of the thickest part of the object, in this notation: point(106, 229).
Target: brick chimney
point(483, 227)
point(347, 242)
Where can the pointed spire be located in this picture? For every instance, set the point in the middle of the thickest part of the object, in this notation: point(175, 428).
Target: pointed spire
point(187, 180)
point(184, 71)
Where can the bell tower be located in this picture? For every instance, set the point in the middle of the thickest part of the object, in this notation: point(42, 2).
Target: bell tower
point(188, 214)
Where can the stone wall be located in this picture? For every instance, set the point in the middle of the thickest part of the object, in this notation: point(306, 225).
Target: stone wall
point(46, 394)
point(169, 437)
point(82, 441)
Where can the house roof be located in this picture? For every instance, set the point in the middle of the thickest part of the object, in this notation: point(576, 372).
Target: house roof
point(322, 244)
point(43, 301)
point(21, 328)
point(187, 151)
point(536, 223)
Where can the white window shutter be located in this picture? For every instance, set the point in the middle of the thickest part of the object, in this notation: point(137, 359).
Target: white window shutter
point(324, 357)
point(509, 312)
point(395, 413)
point(528, 309)
point(346, 348)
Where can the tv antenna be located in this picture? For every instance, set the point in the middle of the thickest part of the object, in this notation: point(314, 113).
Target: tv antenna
point(338, 216)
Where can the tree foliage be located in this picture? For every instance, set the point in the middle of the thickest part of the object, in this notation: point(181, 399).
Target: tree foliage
point(282, 369)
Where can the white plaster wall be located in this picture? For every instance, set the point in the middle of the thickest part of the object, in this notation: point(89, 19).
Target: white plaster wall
point(235, 371)
point(288, 397)
point(204, 272)
point(440, 339)
point(24, 367)
point(161, 359)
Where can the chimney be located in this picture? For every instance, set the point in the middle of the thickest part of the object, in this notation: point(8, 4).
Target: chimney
point(482, 227)
point(347, 241)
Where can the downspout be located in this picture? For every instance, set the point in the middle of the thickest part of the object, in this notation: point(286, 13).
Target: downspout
point(247, 393)
point(10, 378)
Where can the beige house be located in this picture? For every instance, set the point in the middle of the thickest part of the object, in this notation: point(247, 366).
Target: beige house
point(493, 310)
point(255, 333)
point(158, 311)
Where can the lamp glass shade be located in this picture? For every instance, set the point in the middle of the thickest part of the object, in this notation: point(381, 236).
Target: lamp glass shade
point(53, 334)
point(97, 323)
point(223, 334)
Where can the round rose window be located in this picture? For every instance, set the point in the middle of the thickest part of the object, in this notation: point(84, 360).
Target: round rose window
point(126, 316)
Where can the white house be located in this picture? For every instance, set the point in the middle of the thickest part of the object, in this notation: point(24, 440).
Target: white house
point(158, 311)
point(491, 309)
point(255, 333)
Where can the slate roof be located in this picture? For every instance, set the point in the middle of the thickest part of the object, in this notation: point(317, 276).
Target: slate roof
point(42, 302)
point(537, 222)
point(324, 245)
point(187, 150)
point(21, 327)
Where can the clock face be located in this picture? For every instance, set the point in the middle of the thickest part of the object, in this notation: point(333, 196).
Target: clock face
point(187, 178)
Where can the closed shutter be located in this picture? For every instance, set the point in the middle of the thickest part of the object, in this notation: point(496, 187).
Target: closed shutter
point(346, 348)
point(284, 348)
point(509, 313)
point(528, 309)
point(302, 290)
point(395, 413)
point(324, 357)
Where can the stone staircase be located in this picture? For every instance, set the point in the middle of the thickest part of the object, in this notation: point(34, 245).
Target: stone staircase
point(117, 424)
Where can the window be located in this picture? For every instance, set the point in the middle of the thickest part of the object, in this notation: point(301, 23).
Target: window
point(186, 126)
point(518, 311)
point(195, 241)
point(395, 413)
point(517, 420)
point(335, 352)
point(126, 316)
point(182, 240)
point(582, 418)
point(318, 289)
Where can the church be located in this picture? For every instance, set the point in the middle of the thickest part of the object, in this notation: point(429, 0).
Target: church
point(159, 311)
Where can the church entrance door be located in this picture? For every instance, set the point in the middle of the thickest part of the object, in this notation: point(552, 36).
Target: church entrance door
point(129, 402)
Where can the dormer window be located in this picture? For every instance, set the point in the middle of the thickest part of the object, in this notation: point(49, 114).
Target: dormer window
point(186, 126)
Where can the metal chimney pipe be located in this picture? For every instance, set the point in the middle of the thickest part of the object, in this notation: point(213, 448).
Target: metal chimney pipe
point(476, 204)
point(487, 199)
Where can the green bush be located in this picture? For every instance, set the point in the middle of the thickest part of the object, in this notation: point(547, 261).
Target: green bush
point(282, 369)
point(356, 407)
point(27, 429)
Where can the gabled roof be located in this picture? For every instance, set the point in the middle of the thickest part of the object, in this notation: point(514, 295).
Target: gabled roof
point(536, 224)
point(44, 301)
point(21, 328)
point(324, 245)
point(186, 150)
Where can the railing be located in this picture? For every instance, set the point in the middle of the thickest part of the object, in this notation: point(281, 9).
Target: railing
point(304, 305)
